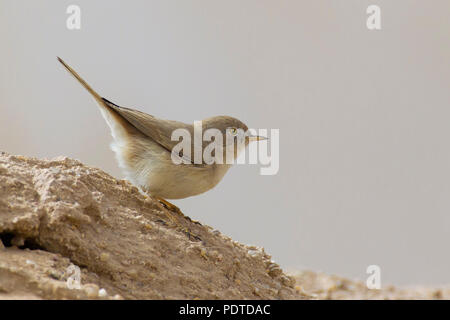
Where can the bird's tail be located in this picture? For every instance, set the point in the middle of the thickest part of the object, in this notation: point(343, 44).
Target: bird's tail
point(96, 96)
point(120, 127)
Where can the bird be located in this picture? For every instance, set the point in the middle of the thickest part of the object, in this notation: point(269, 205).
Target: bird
point(144, 148)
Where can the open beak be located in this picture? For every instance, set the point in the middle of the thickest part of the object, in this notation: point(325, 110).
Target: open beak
point(256, 138)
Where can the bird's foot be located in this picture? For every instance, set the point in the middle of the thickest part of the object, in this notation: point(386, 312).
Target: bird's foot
point(170, 206)
point(173, 208)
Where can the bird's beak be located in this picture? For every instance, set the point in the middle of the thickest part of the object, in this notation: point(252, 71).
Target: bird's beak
point(256, 138)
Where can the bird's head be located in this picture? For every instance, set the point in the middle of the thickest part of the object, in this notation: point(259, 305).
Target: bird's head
point(235, 134)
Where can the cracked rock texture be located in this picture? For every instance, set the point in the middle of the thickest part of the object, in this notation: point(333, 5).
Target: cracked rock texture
point(69, 231)
point(320, 286)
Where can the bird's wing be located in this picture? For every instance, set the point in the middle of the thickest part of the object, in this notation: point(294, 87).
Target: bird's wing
point(157, 129)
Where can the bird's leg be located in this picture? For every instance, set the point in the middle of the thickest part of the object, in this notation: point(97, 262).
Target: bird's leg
point(174, 208)
point(171, 207)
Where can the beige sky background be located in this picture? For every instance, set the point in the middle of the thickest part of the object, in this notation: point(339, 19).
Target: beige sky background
point(364, 116)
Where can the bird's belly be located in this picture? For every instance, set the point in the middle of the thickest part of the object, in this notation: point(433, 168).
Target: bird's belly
point(150, 167)
point(178, 182)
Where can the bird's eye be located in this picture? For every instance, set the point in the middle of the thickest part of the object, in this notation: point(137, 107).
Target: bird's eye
point(233, 131)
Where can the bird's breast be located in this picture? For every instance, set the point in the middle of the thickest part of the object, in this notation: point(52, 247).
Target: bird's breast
point(149, 166)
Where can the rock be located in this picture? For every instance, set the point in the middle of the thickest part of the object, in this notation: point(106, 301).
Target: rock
point(314, 285)
point(60, 215)
point(68, 231)
point(92, 290)
point(18, 241)
point(102, 293)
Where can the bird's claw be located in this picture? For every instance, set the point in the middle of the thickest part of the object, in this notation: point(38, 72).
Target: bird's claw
point(170, 206)
point(173, 208)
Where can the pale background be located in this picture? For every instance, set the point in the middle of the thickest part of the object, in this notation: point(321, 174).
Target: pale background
point(364, 116)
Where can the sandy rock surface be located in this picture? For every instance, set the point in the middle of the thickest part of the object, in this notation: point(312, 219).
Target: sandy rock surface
point(58, 217)
point(69, 231)
point(319, 286)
